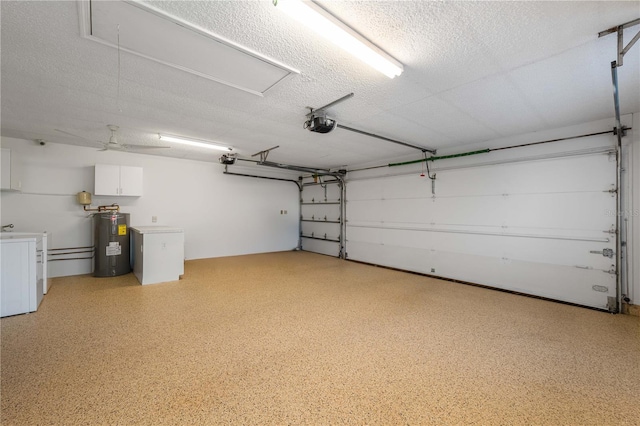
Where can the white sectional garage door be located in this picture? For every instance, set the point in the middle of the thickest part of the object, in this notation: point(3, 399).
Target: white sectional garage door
point(536, 227)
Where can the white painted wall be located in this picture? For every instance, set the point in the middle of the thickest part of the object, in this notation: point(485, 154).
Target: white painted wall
point(409, 206)
point(221, 215)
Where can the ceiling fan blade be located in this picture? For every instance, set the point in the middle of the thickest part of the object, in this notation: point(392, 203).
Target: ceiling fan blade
point(78, 137)
point(113, 144)
point(71, 134)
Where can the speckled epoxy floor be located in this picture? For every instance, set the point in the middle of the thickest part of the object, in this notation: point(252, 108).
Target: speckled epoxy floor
point(299, 338)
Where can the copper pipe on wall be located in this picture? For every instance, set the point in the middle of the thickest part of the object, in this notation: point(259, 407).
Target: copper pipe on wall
point(112, 208)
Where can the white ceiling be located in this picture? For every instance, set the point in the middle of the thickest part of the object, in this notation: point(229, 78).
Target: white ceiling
point(473, 71)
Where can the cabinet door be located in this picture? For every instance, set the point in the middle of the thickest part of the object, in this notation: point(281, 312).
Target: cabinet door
point(14, 292)
point(6, 168)
point(107, 179)
point(10, 179)
point(130, 181)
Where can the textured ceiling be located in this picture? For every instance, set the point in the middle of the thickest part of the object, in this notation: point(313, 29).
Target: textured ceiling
point(473, 71)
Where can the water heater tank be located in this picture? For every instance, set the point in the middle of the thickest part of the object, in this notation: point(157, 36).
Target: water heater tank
point(111, 244)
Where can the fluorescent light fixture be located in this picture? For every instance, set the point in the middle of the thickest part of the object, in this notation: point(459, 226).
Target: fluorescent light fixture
point(328, 26)
point(193, 142)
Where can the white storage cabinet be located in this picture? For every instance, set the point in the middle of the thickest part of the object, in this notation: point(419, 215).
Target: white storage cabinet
point(118, 180)
point(10, 179)
point(42, 268)
point(21, 285)
point(157, 253)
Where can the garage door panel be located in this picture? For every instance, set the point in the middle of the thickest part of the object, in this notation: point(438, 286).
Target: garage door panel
point(559, 282)
point(318, 193)
point(475, 211)
point(455, 183)
point(365, 211)
point(543, 211)
point(558, 175)
point(319, 229)
point(332, 212)
point(540, 250)
point(408, 211)
point(368, 252)
point(554, 175)
point(323, 247)
point(561, 211)
point(521, 177)
point(559, 252)
point(364, 190)
point(566, 283)
point(358, 234)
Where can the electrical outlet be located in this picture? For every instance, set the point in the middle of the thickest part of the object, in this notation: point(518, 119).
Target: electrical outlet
point(285, 212)
point(433, 270)
point(154, 219)
point(281, 211)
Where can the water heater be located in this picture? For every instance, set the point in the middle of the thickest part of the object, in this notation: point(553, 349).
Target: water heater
point(111, 244)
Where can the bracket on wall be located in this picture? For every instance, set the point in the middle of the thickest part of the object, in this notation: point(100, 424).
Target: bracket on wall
point(622, 49)
point(265, 153)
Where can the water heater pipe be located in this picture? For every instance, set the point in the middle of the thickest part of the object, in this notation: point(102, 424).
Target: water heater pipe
point(112, 208)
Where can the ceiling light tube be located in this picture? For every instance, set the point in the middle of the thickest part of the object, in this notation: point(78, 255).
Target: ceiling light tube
point(327, 25)
point(193, 142)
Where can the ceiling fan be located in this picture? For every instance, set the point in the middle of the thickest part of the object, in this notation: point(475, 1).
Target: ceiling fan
point(113, 143)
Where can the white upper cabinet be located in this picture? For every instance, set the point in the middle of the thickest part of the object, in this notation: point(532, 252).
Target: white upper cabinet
point(11, 180)
point(118, 180)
